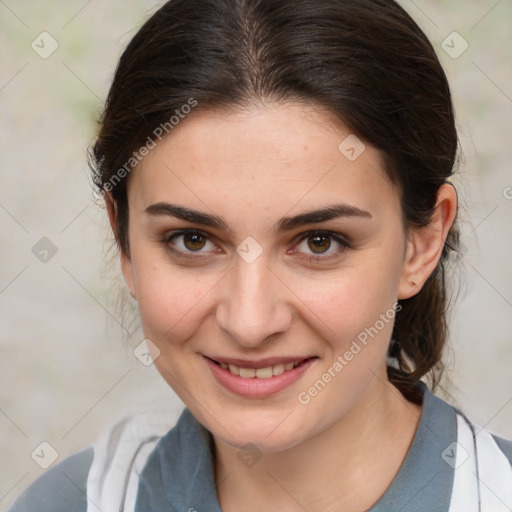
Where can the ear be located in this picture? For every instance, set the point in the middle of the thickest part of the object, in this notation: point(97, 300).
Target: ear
point(126, 263)
point(425, 244)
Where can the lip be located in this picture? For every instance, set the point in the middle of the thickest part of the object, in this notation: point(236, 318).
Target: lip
point(254, 387)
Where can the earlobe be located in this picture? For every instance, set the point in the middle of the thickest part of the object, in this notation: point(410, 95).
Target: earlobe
point(425, 244)
point(126, 264)
point(409, 280)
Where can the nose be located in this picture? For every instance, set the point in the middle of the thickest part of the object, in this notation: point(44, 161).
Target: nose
point(254, 303)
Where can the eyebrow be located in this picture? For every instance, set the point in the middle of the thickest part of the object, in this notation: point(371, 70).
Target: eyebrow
point(284, 224)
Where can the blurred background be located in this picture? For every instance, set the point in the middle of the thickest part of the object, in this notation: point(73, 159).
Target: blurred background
point(67, 364)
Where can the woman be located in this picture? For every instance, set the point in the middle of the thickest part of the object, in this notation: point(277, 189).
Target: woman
point(277, 177)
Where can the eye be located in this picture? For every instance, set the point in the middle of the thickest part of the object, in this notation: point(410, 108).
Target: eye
point(186, 243)
point(320, 242)
point(317, 244)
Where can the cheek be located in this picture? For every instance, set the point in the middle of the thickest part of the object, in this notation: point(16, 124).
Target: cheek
point(355, 315)
point(345, 304)
point(171, 301)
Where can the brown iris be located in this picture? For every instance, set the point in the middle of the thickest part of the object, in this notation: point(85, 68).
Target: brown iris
point(317, 243)
point(193, 241)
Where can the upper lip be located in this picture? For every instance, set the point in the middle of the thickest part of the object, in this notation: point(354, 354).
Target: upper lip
point(260, 363)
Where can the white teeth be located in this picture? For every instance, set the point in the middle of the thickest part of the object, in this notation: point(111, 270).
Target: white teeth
point(260, 373)
point(234, 369)
point(278, 369)
point(247, 372)
point(264, 373)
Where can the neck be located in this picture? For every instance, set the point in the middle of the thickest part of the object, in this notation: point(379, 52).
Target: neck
point(346, 467)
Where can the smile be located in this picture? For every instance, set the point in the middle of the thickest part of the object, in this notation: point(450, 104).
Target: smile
point(259, 373)
point(258, 379)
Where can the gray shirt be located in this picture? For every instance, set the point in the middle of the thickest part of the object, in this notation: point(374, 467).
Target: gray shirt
point(179, 473)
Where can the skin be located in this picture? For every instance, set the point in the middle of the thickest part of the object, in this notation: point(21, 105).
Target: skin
point(251, 168)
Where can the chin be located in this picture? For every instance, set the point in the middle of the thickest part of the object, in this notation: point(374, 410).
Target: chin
point(256, 441)
point(254, 432)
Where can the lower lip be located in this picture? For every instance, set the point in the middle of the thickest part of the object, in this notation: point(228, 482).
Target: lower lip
point(254, 387)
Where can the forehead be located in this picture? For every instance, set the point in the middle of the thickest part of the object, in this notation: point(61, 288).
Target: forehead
point(271, 159)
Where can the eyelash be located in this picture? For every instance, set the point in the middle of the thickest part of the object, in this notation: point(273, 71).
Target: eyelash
point(313, 258)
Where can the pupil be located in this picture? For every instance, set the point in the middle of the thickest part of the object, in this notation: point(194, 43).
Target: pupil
point(318, 245)
point(192, 241)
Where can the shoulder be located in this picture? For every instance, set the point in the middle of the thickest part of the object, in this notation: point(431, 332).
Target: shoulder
point(488, 445)
point(463, 462)
point(439, 410)
point(100, 472)
point(60, 489)
point(491, 446)
point(120, 456)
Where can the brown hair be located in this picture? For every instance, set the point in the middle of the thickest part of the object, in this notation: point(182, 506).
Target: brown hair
point(365, 61)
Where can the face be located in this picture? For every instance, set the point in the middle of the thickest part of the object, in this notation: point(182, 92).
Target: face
point(230, 265)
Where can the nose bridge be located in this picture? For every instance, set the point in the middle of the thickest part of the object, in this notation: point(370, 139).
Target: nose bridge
point(253, 306)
